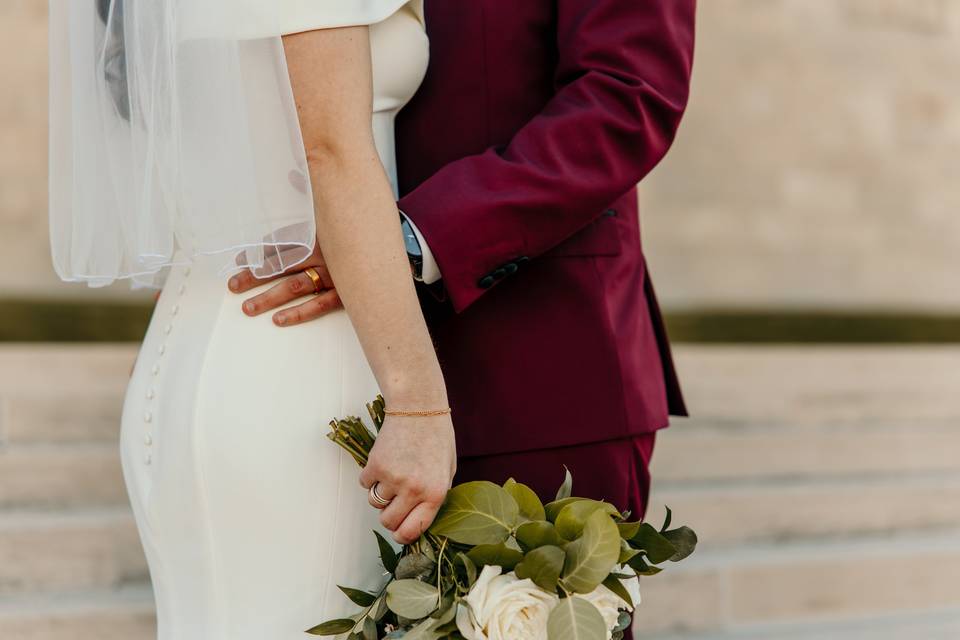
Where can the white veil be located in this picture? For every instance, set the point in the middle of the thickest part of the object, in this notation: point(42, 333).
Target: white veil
point(173, 127)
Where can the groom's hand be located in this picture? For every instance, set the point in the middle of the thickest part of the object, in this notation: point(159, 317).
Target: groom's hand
point(413, 462)
point(294, 283)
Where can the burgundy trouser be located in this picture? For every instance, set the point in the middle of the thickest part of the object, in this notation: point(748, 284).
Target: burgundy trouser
point(616, 471)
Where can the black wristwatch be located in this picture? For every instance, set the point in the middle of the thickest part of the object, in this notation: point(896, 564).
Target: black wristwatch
point(414, 252)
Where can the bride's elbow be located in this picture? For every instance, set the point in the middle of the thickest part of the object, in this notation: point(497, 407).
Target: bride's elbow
point(329, 151)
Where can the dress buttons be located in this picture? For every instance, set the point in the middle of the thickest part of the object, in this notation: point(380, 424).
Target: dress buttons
point(175, 309)
point(150, 393)
point(147, 440)
point(161, 349)
point(147, 416)
point(183, 288)
point(167, 328)
point(147, 459)
point(155, 369)
point(186, 271)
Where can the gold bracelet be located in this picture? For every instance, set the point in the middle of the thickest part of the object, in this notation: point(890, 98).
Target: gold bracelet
point(431, 412)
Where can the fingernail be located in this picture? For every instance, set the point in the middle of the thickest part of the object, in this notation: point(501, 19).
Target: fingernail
point(248, 306)
point(233, 283)
point(279, 319)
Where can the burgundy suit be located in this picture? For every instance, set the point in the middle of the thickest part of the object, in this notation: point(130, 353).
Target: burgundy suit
point(518, 162)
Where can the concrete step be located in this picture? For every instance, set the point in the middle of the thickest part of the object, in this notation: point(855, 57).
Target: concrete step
point(126, 614)
point(697, 450)
point(935, 624)
point(61, 475)
point(828, 385)
point(725, 515)
point(69, 551)
point(724, 590)
point(62, 393)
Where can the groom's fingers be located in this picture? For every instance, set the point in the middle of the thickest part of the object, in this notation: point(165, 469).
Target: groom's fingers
point(416, 523)
point(320, 304)
point(290, 288)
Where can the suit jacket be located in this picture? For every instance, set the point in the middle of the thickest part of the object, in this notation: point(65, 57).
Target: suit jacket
point(518, 162)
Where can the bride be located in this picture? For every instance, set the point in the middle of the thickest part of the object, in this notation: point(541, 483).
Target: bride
point(192, 140)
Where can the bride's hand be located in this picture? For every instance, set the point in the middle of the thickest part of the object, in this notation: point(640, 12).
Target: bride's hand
point(413, 462)
point(294, 284)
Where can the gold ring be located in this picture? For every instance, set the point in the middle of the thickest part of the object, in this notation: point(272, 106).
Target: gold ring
point(314, 278)
point(375, 496)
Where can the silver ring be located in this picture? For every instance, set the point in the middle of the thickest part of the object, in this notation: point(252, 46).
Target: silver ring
point(375, 496)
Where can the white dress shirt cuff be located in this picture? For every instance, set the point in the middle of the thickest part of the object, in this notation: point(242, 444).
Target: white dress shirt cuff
point(430, 272)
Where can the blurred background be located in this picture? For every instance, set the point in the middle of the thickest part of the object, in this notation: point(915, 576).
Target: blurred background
point(804, 238)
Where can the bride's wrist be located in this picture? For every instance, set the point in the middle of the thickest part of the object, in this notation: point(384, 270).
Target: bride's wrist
point(415, 395)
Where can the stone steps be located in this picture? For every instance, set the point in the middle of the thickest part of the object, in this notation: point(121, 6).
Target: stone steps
point(935, 624)
point(124, 614)
point(69, 550)
point(725, 590)
point(824, 482)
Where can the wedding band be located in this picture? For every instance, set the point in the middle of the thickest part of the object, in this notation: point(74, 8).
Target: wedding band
point(375, 496)
point(314, 278)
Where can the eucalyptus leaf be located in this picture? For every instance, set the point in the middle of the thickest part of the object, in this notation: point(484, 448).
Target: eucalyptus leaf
point(628, 529)
point(613, 583)
point(626, 552)
point(369, 630)
point(531, 535)
point(553, 509)
point(469, 568)
point(572, 517)
point(657, 548)
point(684, 540)
point(591, 558)
point(387, 554)
point(495, 554)
point(576, 619)
point(542, 565)
point(623, 622)
point(667, 520)
point(567, 487)
point(332, 627)
point(358, 597)
point(425, 630)
point(478, 512)
point(639, 564)
point(415, 565)
point(411, 598)
point(530, 506)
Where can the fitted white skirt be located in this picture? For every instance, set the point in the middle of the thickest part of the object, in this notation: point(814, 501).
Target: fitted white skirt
point(249, 516)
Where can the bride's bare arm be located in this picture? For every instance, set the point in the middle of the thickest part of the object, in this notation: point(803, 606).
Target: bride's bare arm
point(360, 238)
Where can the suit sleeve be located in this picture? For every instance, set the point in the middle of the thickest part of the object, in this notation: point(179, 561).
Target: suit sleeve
point(622, 78)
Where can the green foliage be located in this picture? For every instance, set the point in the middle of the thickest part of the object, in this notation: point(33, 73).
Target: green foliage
point(568, 546)
point(475, 513)
point(575, 619)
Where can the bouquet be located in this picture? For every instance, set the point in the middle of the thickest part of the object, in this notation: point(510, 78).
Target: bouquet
point(498, 564)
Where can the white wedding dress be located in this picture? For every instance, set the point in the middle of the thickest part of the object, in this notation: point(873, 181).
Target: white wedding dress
point(249, 516)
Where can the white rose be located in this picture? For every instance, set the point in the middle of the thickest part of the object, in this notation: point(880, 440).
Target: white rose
point(610, 604)
point(503, 607)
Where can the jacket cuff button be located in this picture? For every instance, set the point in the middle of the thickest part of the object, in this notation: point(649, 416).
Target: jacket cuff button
point(510, 268)
point(610, 212)
point(486, 282)
point(499, 273)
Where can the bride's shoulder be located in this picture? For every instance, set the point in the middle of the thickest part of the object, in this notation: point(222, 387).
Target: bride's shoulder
point(258, 19)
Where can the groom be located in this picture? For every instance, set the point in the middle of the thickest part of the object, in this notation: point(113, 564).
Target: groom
point(518, 164)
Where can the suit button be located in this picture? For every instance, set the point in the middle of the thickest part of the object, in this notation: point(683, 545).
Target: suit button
point(510, 268)
point(499, 273)
point(486, 282)
point(610, 212)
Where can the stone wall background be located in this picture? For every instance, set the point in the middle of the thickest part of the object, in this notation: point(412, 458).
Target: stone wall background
point(817, 166)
